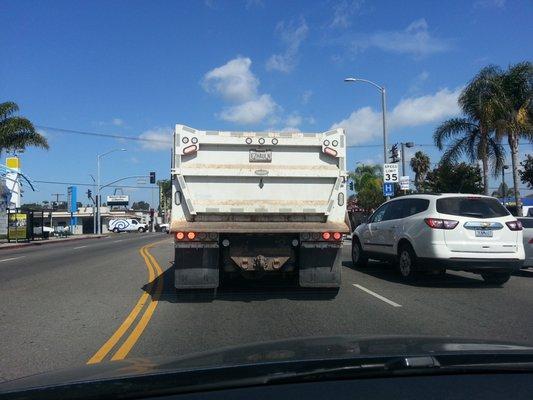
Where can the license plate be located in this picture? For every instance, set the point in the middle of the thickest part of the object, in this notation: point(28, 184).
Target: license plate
point(483, 233)
point(260, 155)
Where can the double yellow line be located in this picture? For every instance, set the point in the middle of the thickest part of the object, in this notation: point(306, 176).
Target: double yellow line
point(154, 270)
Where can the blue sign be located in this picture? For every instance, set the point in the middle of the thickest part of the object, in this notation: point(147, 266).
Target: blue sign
point(388, 189)
point(72, 199)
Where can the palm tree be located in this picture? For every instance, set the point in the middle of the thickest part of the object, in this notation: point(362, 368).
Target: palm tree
point(474, 135)
point(17, 132)
point(420, 165)
point(514, 112)
point(363, 173)
point(503, 191)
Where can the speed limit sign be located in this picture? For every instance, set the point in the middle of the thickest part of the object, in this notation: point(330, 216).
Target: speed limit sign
point(390, 173)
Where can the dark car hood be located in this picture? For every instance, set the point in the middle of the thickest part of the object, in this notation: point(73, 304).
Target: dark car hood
point(301, 349)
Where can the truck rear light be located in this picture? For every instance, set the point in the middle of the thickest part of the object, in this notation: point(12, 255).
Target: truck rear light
point(337, 236)
point(330, 151)
point(190, 149)
point(326, 235)
point(180, 235)
point(201, 236)
point(437, 223)
point(514, 225)
point(191, 235)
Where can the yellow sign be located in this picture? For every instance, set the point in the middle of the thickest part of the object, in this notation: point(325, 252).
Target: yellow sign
point(13, 162)
point(17, 226)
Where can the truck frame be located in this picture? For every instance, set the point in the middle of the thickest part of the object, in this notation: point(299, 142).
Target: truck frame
point(257, 203)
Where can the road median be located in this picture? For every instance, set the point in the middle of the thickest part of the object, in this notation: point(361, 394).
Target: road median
point(8, 246)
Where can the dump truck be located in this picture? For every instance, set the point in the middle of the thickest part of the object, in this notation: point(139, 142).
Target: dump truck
point(252, 204)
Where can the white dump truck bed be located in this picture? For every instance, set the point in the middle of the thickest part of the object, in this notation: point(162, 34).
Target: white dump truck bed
point(258, 181)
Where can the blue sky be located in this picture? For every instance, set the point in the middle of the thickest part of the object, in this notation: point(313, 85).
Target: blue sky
point(136, 68)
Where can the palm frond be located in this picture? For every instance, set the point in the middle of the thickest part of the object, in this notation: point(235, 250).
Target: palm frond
point(451, 128)
point(19, 132)
point(455, 151)
point(7, 109)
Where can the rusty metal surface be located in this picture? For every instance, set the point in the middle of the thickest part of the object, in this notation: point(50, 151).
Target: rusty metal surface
point(259, 227)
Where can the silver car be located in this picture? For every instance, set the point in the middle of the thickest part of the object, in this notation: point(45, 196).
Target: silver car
point(527, 224)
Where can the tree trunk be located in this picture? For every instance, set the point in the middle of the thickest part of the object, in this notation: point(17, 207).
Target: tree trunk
point(513, 144)
point(484, 162)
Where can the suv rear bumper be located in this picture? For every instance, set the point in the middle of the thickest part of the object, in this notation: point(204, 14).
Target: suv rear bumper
point(471, 264)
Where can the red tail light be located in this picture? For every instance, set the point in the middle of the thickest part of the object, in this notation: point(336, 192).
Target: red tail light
point(191, 235)
point(337, 236)
point(437, 223)
point(180, 235)
point(331, 152)
point(190, 149)
point(514, 225)
point(326, 235)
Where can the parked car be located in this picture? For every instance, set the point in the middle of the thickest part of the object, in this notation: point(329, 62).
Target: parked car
point(165, 228)
point(527, 224)
point(126, 225)
point(436, 232)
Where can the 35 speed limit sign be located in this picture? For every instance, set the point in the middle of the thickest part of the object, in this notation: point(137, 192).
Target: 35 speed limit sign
point(390, 173)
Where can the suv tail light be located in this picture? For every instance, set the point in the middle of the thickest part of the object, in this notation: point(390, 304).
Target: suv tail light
point(437, 223)
point(514, 225)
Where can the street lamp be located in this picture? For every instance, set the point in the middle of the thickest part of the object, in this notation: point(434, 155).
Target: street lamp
point(503, 182)
point(383, 110)
point(98, 202)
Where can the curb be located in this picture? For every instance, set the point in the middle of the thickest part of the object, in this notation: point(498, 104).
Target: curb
point(46, 242)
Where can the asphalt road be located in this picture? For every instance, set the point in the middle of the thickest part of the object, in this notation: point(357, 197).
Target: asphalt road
point(65, 305)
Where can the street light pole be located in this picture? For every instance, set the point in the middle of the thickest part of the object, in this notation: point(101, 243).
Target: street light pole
point(383, 110)
point(98, 201)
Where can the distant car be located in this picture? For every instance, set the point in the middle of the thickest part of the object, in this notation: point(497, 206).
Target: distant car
point(126, 225)
point(165, 228)
point(527, 223)
point(437, 232)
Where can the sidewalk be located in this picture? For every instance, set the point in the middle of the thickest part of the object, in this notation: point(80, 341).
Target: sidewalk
point(4, 245)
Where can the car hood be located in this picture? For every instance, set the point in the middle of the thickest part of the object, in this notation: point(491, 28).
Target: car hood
point(301, 349)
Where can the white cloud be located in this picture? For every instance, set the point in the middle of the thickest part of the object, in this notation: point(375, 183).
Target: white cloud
point(365, 124)
point(254, 3)
point(414, 40)
point(343, 12)
point(233, 81)
point(117, 122)
point(250, 112)
point(157, 139)
point(418, 82)
point(490, 4)
point(293, 120)
point(306, 96)
point(287, 129)
point(292, 35)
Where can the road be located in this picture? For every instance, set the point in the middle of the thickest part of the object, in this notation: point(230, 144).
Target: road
point(65, 305)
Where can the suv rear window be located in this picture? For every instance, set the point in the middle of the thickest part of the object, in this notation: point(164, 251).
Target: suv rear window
point(526, 222)
point(476, 207)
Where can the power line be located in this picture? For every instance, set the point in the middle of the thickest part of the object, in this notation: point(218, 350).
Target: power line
point(105, 135)
point(91, 184)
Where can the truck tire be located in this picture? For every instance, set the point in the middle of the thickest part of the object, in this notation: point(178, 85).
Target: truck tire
point(359, 258)
point(496, 278)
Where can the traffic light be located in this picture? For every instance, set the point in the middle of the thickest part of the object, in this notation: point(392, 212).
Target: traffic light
point(350, 185)
point(152, 177)
point(395, 154)
point(89, 194)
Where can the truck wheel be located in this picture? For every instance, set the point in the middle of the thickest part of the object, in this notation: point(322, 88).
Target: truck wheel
point(116, 230)
point(359, 258)
point(406, 262)
point(496, 278)
point(141, 230)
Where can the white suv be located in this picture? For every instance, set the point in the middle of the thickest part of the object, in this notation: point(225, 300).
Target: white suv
point(435, 232)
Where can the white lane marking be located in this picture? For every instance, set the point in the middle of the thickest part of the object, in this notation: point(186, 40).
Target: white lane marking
point(116, 241)
point(79, 247)
point(10, 259)
point(378, 296)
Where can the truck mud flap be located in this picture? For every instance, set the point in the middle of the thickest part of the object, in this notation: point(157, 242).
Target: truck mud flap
point(196, 268)
point(320, 266)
